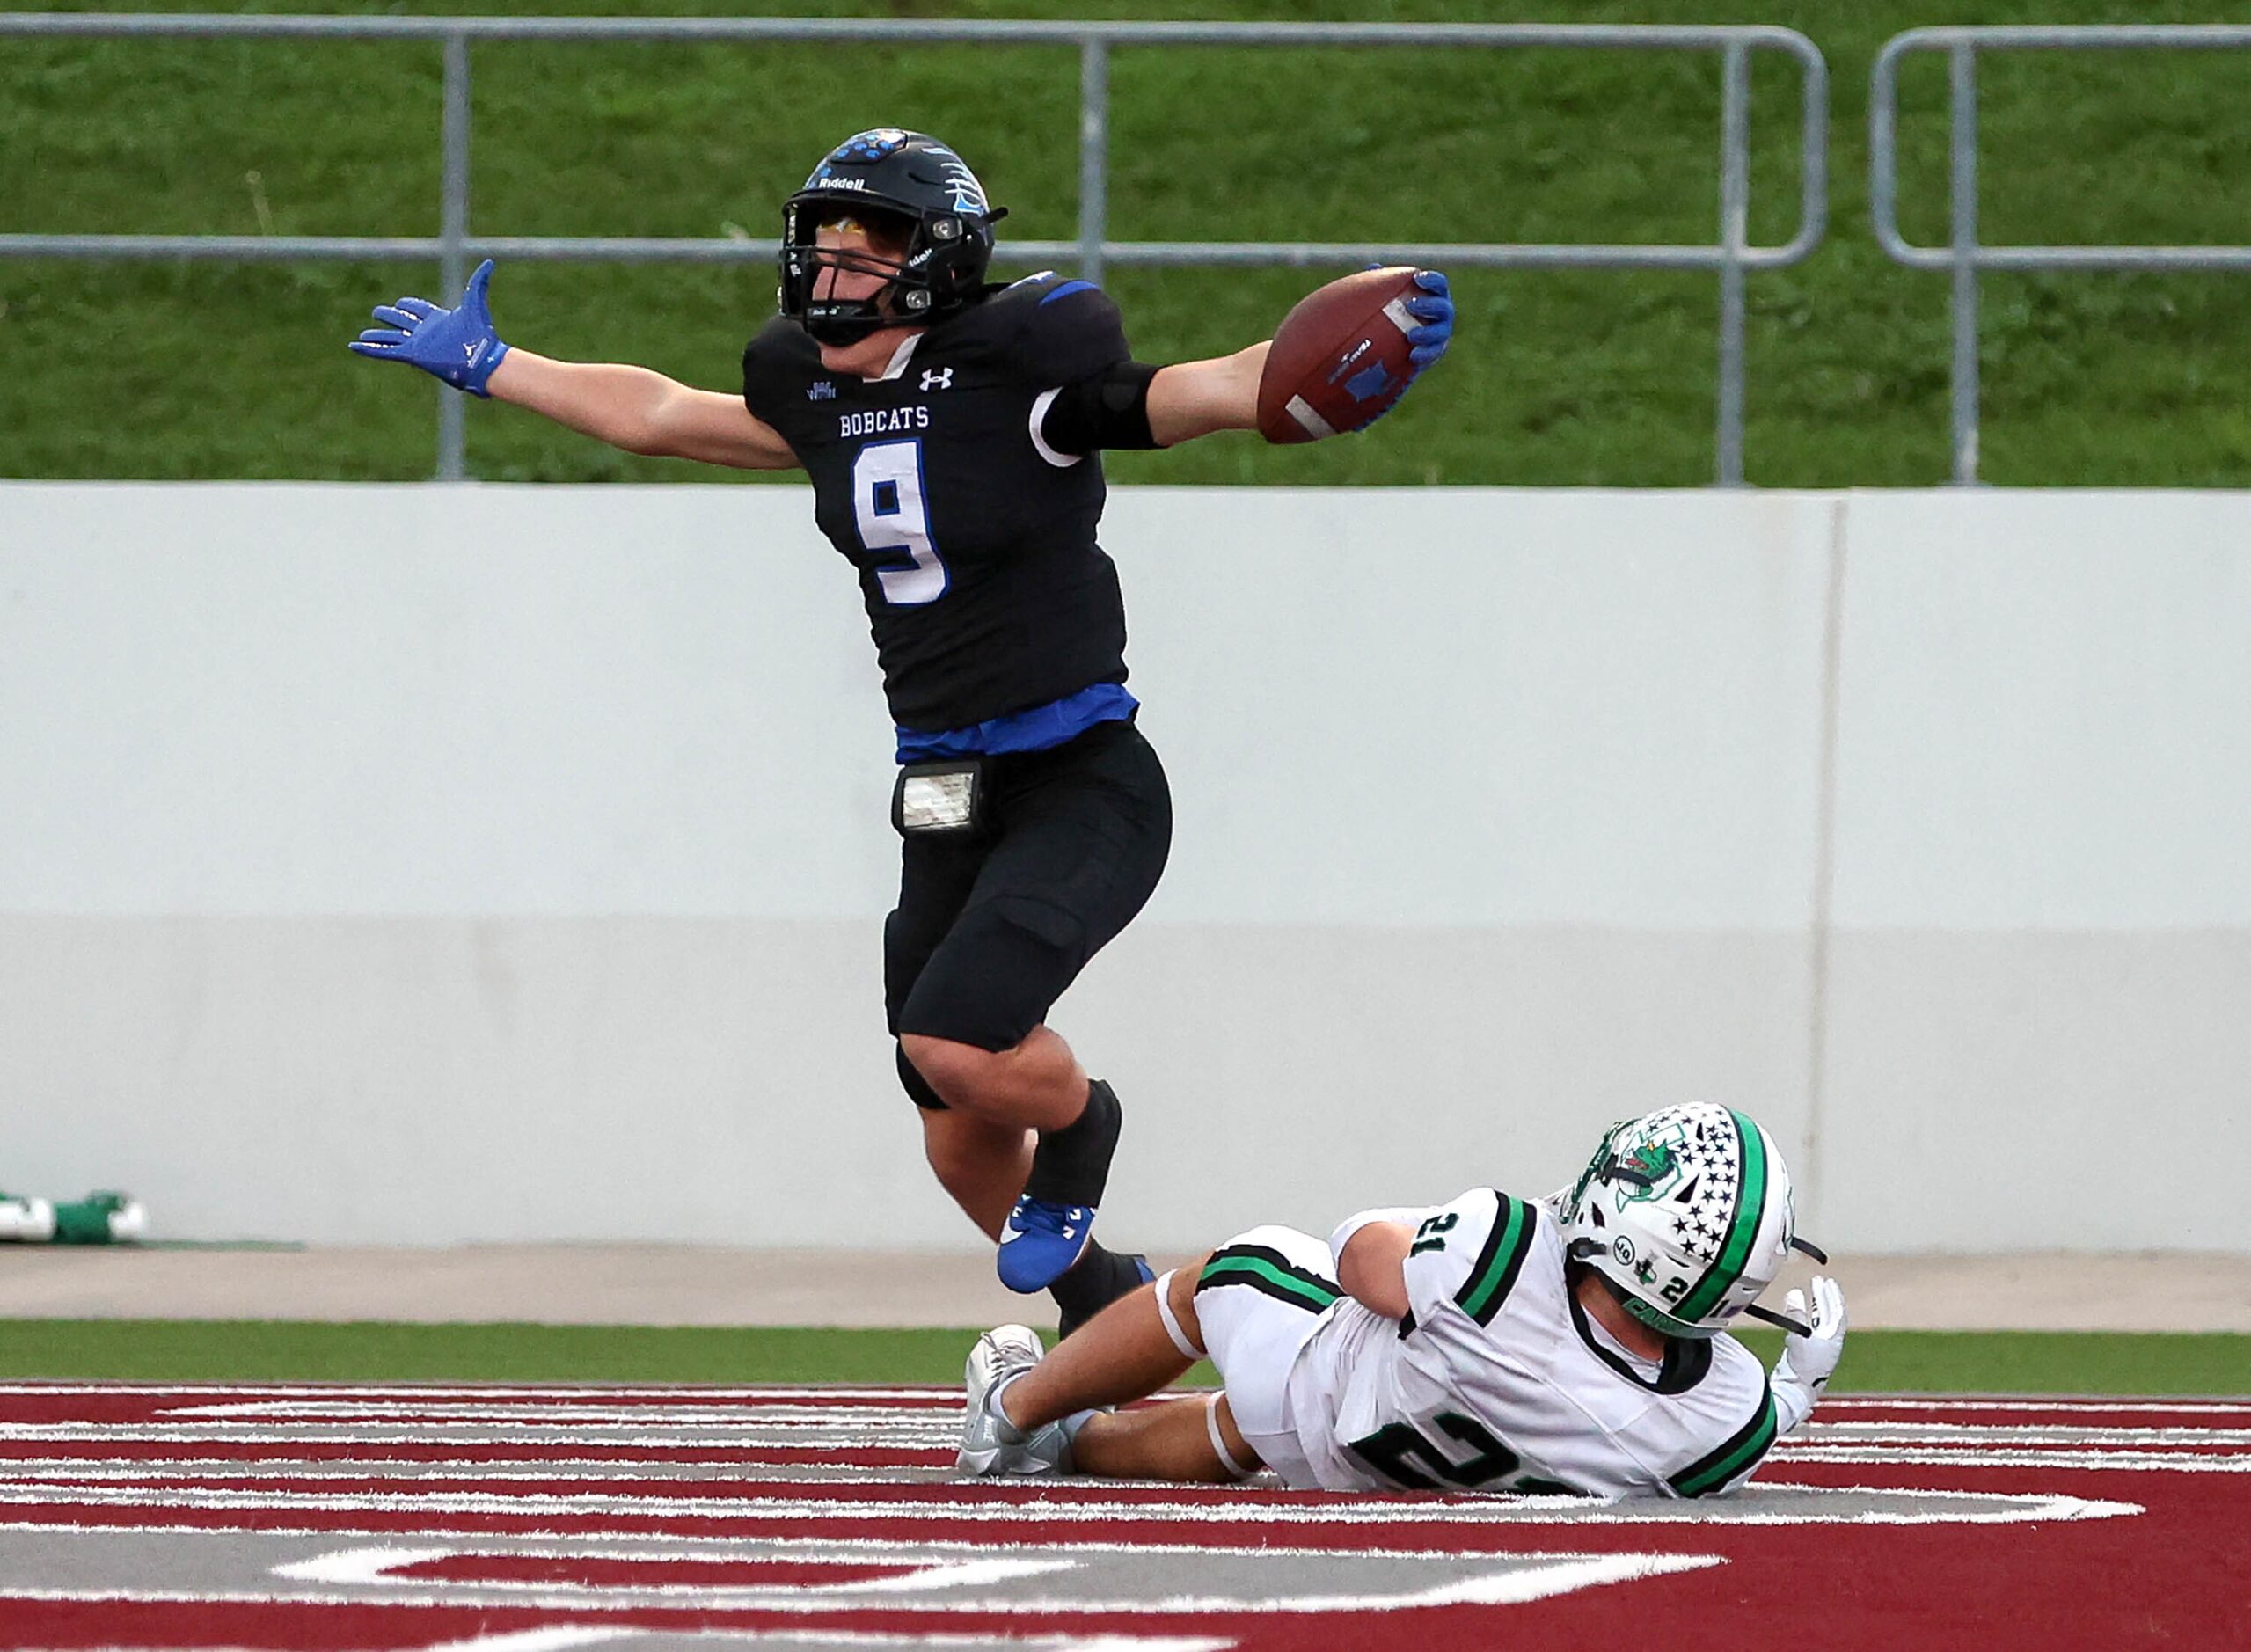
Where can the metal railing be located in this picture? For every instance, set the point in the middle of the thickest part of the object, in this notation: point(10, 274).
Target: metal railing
point(1964, 255)
point(1730, 253)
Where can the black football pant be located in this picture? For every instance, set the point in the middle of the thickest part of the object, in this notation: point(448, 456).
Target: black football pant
point(991, 928)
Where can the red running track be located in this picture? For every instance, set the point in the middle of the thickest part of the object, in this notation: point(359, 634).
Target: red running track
point(315, 1519)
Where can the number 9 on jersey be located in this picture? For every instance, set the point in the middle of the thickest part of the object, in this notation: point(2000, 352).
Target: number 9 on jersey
point(887, 501)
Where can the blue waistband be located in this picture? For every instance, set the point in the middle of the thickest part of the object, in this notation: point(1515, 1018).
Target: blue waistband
point(1035, 729)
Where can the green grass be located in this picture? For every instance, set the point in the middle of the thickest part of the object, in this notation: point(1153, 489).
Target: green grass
point(1559, 378)
point(277, 1350)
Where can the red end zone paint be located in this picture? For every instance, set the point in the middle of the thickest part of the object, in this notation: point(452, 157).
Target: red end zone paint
point(608, 1545)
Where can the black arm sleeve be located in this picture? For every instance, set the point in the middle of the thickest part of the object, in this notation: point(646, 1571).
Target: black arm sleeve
point(1108, 410)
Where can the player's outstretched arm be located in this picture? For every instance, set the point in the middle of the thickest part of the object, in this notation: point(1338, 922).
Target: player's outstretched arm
point(629, 407)
point(1194, 398)
point(642, 411)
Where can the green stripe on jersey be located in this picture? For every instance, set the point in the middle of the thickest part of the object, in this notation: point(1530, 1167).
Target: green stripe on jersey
point(1735, 1253)
point(1275, 1278)
point(1736, 1458)
point(1495, 1272)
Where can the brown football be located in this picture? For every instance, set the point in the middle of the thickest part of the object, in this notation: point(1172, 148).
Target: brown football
point(1340, 357)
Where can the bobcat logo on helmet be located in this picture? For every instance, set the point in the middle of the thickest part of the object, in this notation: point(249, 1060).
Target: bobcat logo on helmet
point(869, 146)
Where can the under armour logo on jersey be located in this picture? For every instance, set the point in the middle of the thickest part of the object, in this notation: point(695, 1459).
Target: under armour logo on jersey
point(938, 378)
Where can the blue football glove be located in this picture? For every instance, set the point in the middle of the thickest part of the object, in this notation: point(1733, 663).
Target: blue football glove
point(457, 346)
point(1435, 309)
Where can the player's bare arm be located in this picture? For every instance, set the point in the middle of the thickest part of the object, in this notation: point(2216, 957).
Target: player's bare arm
point(1372, 1267)
point(1195, 398)
point(629, 407)
point(641, 411)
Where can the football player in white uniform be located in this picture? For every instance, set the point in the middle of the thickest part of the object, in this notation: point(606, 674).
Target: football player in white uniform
point(1573, 1344)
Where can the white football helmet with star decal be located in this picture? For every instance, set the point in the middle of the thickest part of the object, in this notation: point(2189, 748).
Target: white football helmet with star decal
point(1685, 1210)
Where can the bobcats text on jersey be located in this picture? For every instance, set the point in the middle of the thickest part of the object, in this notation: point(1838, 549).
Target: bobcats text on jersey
point(883, 421)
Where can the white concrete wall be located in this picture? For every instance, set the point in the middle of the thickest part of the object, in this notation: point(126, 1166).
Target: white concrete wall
point(416, 863)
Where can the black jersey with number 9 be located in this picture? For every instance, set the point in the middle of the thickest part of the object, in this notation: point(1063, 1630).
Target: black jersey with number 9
point(974, 539)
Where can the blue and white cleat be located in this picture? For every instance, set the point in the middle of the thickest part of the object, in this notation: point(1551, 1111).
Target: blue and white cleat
point(1042, 1242)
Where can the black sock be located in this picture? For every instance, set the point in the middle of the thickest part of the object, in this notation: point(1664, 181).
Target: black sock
point(1071, 1165)
point(1099, 1278)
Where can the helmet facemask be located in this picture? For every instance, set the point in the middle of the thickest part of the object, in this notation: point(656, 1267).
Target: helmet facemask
point(809, 271)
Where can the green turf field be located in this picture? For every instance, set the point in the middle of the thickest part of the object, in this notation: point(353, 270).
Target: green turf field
point(1581, 377)
point(277, 1350)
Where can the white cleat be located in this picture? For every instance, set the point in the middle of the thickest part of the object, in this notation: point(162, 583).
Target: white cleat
point(990, 1444)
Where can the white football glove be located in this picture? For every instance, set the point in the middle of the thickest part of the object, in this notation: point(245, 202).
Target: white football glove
point(1808, 1362)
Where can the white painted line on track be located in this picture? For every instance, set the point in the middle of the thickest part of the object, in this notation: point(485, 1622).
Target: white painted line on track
point(1997, 1508)
point(94, 1467)
point(356, 1566)
point(1525, 1577)
point(936, 1436)
point(2116, 1462)
point(841, 1394)
point(775, 1414)
point(1514, 1588)
point(528, 1640)
point(893, 1436)
point(641, 1546)
point(369, 1566)
point(2034, 1403)
point(416, 1480)
point(957, 1575)
point(2016, 1433)
point(552, 1639)
point(938, 1394)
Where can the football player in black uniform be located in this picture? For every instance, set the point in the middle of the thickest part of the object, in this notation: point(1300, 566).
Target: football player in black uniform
point(951, 430)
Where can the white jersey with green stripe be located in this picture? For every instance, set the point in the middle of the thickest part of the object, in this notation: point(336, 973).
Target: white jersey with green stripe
point(1498, 1381)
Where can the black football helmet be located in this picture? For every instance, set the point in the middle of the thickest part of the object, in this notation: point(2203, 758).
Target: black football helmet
point(915, 182)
